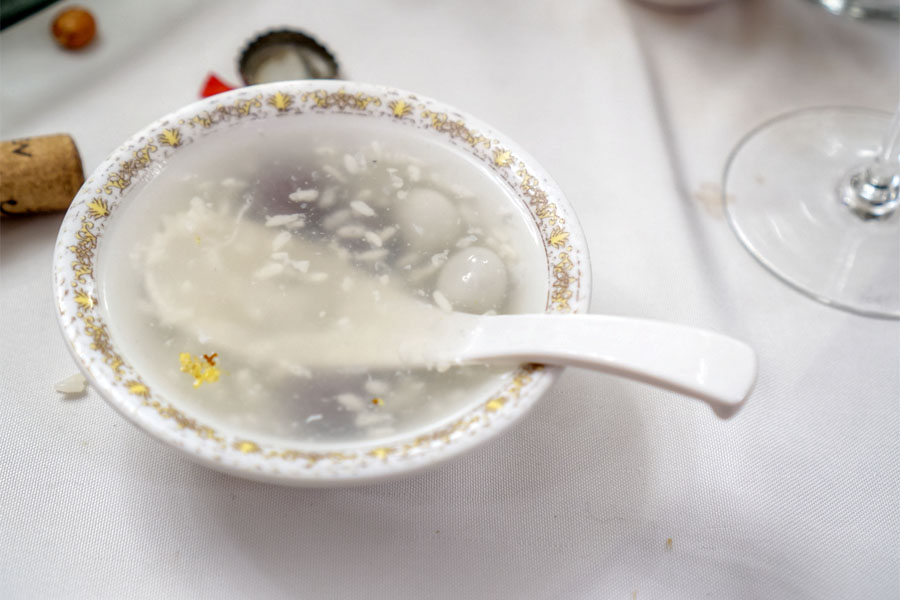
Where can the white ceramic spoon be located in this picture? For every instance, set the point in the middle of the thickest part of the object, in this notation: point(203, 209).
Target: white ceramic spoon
point(708, 366)
point(326, 325)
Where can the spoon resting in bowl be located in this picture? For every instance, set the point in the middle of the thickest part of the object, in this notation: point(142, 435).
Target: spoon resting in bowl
point(263, 305)
point(708, 366)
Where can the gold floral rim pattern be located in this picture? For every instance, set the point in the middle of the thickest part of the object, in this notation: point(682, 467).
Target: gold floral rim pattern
point(77, 290)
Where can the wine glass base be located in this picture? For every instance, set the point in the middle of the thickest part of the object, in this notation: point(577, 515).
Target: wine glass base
point(783, 189)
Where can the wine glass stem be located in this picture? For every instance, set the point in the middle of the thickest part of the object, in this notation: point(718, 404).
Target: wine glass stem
point(890, 150)
point(873, 192)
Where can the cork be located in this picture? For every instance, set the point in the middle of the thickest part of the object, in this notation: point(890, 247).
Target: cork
point(38, 174)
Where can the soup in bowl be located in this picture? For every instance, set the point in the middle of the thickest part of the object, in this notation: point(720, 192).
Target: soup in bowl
point(211, 272)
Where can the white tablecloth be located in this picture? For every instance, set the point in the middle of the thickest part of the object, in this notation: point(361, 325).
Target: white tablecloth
point(608, 489)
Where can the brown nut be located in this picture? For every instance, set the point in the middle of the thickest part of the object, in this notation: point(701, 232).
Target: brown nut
point(74, 28)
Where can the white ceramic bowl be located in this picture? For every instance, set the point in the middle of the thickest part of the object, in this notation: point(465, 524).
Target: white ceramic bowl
point(93, 214)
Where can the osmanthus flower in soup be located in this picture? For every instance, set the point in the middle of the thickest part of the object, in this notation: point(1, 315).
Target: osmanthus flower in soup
point(239, 260)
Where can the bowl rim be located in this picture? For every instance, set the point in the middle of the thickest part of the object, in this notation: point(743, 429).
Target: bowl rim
point(81, 315)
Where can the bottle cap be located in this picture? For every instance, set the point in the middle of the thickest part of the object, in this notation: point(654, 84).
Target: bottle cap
point(285, 54)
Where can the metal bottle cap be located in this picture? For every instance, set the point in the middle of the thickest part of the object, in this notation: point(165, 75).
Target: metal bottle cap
point(285, 54)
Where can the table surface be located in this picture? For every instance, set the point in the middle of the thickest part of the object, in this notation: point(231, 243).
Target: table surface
point(608, 488)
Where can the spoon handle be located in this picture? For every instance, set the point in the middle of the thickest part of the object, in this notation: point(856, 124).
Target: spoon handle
point(708, 366)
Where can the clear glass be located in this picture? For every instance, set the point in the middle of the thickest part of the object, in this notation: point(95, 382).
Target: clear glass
point(813, 195)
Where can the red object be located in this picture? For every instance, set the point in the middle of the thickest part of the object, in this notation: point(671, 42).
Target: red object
point(214, 86)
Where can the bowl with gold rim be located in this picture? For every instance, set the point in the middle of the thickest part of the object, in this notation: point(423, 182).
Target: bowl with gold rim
point(206, 267)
